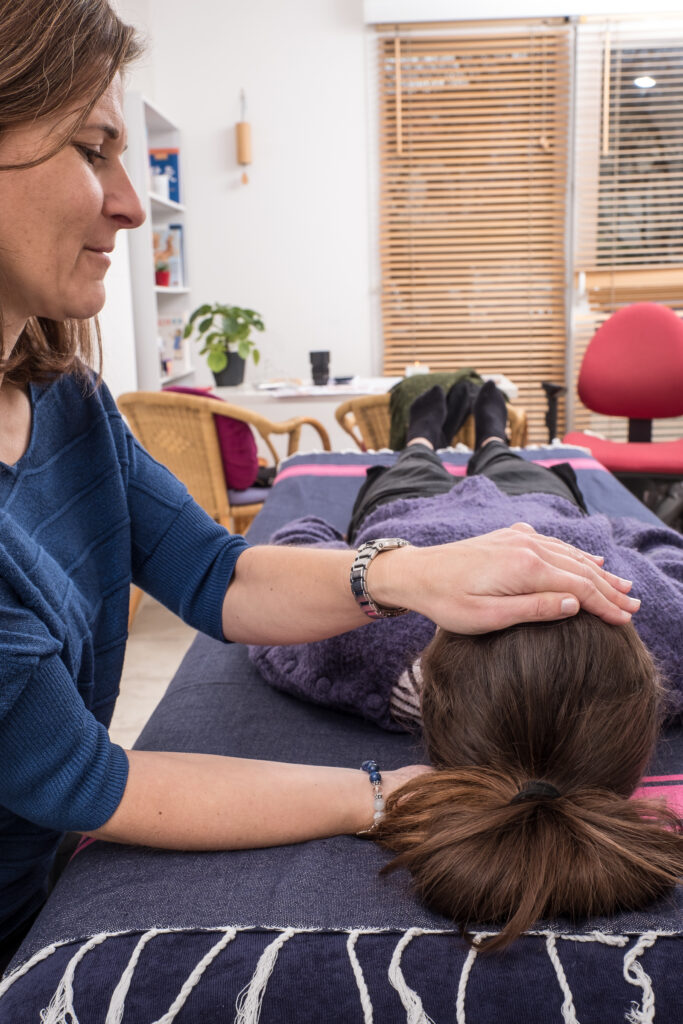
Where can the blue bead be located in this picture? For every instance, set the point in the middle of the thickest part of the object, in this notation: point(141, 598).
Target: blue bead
point(375, 777)
point(369, 766)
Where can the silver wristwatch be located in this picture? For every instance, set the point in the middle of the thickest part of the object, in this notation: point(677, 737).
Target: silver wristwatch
point(359, 589)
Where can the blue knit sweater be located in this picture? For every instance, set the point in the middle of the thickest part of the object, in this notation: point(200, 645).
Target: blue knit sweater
point(82, 513)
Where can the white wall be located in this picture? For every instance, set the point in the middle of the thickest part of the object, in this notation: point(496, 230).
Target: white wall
point(116, 324)
point(378, 11)
point(293, 243)
point(296, 242)
point(116, 318)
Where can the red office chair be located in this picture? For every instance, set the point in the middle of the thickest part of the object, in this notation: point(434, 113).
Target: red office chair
point(633, 367)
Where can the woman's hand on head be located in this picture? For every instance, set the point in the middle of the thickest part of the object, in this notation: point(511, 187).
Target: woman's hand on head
point(498, 579)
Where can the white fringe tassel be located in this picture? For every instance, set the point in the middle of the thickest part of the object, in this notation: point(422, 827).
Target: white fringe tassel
point(118, 999)
point(635, 975)
point(42, 954)
point(365, 1000)
point(181, 998)
point(464, 976)
point(568, 1008)
point(249, 1000)
point(412, 1003)
point(60, 1009)
point(607, 940)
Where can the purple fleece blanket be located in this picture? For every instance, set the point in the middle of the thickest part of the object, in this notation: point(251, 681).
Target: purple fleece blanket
point(356, 671)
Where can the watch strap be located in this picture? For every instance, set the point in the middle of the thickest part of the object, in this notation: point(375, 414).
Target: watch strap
point(359, 587)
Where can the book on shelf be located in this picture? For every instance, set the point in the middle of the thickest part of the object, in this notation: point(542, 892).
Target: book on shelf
point(164, 162)
point(171, 343)
point(168, 253)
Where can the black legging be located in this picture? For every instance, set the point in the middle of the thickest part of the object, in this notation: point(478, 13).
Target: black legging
point(419, 473)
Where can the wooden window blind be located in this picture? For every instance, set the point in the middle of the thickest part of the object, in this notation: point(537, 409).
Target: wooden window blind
point(474, 128)
point(628, 183)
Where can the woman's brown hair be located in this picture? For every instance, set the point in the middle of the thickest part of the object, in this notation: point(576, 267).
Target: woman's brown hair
point(576, 704)
point(55, 55)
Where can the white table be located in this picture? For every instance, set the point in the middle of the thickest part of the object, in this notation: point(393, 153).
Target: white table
point(317, 402)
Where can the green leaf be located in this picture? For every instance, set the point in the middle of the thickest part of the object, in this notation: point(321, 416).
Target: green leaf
point(231, 332)
point(217, 361)
point(200, 311)
point(256, 355)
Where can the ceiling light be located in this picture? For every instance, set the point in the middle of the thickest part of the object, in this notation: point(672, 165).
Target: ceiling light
point(644, 82)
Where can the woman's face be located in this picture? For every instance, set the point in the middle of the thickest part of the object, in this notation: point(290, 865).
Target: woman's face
point(58, 220)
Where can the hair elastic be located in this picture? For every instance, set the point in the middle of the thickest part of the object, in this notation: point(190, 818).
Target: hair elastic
point(535, 788)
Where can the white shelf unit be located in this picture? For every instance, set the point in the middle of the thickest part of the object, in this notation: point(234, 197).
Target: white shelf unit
point(149, 129)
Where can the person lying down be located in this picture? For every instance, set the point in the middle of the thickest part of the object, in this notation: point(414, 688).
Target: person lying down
point(537, 734)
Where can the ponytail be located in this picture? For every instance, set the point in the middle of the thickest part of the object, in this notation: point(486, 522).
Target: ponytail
point(575, 704)
point(478, 858)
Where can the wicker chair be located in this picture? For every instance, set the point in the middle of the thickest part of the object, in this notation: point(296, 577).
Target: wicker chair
point(368, 422)
point(179, 431)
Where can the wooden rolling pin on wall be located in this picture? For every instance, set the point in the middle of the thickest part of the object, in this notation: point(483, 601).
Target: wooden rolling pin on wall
point(243, 139)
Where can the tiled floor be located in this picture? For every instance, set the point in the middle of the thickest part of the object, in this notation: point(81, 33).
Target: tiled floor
point(157, 643)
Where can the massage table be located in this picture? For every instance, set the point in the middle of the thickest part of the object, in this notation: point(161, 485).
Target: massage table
point(312, 932)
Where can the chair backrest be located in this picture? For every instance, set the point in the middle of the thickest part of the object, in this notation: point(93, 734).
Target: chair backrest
point(236, 442)
point(633, 365)
point(366, 419)
point(179, 431)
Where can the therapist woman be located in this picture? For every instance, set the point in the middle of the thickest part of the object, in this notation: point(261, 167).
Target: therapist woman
point(84, 511)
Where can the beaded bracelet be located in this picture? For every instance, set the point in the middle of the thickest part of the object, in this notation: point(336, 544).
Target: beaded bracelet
point(372, 768)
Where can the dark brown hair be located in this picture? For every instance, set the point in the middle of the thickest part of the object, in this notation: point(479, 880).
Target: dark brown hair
point(576, 704)
point(55, 54)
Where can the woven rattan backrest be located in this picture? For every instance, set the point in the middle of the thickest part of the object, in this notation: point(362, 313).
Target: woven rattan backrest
point(368, 420)
point(370, 417)
point(179, 431)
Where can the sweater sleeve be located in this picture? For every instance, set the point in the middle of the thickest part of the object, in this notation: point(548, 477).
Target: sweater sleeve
point(67, 778)
point(179, 554)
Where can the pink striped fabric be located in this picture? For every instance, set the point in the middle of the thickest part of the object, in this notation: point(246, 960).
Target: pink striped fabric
point(672, 794)
point(359, 469)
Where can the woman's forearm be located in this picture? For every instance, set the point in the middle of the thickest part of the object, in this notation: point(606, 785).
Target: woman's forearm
point(207, 802)
point(281, 595)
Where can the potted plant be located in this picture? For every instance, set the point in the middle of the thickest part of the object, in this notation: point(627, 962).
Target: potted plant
point(225, 335)
point(162, 274)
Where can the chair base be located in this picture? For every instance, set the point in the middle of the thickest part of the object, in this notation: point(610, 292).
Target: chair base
point(136, 596)
point(663, 494)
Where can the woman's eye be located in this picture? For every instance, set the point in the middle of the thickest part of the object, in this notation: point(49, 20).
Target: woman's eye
point(91, 155)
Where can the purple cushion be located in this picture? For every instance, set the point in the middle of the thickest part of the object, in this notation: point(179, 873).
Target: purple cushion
point(237, 444)
point(251, 496)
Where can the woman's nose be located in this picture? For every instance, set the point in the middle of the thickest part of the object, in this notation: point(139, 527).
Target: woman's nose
point(122, 203)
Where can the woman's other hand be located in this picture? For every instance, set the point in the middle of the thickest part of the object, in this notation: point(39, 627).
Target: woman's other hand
point(498, 579)
point(206, 802)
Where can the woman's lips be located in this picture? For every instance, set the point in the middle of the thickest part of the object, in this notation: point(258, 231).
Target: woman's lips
point(101, 255)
